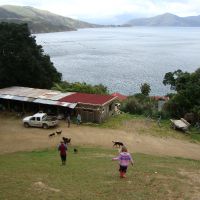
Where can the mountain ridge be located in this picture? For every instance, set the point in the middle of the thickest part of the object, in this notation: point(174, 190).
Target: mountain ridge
point(41, 21)
point(166, 19)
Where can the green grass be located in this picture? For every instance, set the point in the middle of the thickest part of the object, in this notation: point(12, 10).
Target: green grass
point(130, 122)
point(116, 122)
point(91, 175)
point(194, 134)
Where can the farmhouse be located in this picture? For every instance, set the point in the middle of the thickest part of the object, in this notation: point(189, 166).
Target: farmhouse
point(120, 97)
point(92, 107)
point(161, 100)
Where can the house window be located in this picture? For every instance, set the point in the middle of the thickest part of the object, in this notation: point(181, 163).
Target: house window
point(87, 110)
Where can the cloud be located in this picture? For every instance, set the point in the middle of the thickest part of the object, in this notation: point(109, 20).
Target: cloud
point(102, 9)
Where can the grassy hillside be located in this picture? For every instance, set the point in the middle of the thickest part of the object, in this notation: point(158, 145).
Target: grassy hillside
point(40, 20)
point(91, 174)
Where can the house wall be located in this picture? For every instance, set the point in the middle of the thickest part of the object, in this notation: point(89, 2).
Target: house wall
point(107, 111)
point(97, 114)
point(161, 104)
point(89, 113)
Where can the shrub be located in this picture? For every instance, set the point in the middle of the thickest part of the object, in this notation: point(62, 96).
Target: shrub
point(139, 104)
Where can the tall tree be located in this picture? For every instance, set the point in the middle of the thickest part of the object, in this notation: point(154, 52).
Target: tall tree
point(145, 89)
point(187, 98)
point(22, 61)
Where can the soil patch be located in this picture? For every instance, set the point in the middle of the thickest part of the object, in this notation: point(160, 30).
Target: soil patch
point(14, 137)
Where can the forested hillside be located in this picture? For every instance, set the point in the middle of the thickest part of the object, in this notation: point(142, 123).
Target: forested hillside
point(40, 21)
point(22, 61)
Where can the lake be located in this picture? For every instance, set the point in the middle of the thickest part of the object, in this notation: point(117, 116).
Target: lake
point(123, 58)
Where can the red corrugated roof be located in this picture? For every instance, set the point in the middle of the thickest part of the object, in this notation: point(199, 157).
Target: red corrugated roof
point(121, 97)
point(87, 98)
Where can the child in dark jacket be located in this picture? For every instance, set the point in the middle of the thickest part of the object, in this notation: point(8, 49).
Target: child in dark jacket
point(63, 152)
point(124, 160)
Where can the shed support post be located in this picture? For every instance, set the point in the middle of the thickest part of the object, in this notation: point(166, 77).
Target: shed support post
point(9, 105)
point(23, 107)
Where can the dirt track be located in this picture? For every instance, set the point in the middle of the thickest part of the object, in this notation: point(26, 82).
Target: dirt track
point(14, 137)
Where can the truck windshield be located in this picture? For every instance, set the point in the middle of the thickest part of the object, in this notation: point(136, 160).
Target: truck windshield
point(44, 117)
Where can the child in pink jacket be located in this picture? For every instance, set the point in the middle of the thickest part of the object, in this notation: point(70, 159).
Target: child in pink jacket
point(124, 160)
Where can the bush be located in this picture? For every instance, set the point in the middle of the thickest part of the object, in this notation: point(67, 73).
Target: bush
point(164, 115)
point(139, 104)
point(132, 106)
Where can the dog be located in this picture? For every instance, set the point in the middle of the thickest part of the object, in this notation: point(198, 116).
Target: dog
point(59, 132)
point(117, 144)
point(52, 134)
point(75, 150)
point(66, 140)
point(69, 141)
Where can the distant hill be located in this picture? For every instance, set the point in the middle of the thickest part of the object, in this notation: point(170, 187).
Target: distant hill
point(40, 21)
point(166, 19)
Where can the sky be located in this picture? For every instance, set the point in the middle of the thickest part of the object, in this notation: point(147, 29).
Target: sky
point(111, 11)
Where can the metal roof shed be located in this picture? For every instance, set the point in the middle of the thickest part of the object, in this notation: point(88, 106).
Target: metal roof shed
point(39, 96)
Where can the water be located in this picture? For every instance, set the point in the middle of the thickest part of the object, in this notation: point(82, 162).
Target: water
point(123, 58)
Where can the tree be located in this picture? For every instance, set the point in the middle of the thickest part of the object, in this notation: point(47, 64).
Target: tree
point(145, 89)
point(65, 86)
point(170, 78)
point(187, 98)
point(22, 61)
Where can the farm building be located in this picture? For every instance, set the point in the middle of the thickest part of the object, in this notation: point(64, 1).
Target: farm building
point(119, 96)
point(92, 107)
point(161, 100)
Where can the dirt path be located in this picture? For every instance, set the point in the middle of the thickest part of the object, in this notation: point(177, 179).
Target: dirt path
point(14, 137)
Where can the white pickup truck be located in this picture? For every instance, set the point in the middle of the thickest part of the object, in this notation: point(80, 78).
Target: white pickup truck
point(40, 120)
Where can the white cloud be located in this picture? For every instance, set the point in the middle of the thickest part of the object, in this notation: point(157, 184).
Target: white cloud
point(88, 9)
point(92, 8)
